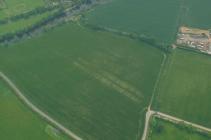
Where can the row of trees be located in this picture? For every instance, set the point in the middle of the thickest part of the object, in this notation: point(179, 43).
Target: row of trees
point(26, 31)
point(36, 11)
point(149, 40)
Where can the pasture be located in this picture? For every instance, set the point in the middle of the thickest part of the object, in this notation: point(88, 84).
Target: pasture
point(185, 87)
point(164, 130)
point(17, 122)
point(97, 84)
point(10, 8)
point(156, 19)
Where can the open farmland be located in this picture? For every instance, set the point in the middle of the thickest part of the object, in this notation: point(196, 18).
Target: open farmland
point(185, 87)
point(95, 83)
point(156, 19)
point(18, 123)
point(164, 130)
point(197, 14)
point(10, 8)
point(21, 24)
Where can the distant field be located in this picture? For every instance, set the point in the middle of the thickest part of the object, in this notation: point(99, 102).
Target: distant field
point(18, 123)
point(158, 19)
point(14, 7)
point(95, 83)
point(163, 130)
point(197, 13)
point(21, 24)
point(185, 87)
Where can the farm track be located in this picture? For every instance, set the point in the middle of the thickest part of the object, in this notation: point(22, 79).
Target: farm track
point(20, 95)
point(164, 116)
point(170, 118)
point(178, 120)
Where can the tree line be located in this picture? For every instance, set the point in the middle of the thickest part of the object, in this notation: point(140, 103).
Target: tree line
point(26, 31)
point(36, 11)
point(148, 40)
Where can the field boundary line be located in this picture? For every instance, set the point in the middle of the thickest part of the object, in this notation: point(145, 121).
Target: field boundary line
point(37, 110)
point(151, 113)
point(158, 79)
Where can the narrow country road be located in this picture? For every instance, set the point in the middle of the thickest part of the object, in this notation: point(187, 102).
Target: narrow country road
point(37, 110)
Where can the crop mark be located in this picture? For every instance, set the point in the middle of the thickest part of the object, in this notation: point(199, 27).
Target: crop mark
point(111, 81)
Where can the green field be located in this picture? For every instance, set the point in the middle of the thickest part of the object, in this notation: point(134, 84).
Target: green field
point(95, 83)
point(185, 87)
point(163, 130)
point(10, 8)
point(21, 24)
point(197, 13)
point(18, 123)
point(156, 19)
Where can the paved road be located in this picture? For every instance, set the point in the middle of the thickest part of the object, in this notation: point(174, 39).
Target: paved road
point(37, 110)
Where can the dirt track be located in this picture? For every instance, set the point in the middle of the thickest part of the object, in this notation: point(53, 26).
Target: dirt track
point(37, 110)
point(161, 115)
point(173, 119)
point(149, 114)
point(147, 120)
point(177, 120)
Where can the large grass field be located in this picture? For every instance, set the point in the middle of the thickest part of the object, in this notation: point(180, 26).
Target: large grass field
point(185, 87)
point(156, 19)
point(196, 13)
point(10, 8)
point(163, 130)
point(95, 83)
point(18, 123)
